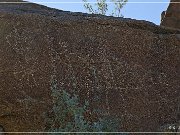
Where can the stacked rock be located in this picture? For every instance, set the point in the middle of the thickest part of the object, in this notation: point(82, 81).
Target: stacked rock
point(171, 17)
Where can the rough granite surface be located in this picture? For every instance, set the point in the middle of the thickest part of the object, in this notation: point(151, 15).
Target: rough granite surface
point(171, 17)
point(133, 66)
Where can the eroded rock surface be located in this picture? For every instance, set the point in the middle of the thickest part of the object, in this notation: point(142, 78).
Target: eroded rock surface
point(133, 66)
point(171, 18)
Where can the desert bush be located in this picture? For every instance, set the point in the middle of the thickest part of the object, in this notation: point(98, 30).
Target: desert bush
point(102, 7)
point(68, 115)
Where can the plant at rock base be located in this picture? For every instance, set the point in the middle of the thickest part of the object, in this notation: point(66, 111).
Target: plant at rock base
point(68, 115)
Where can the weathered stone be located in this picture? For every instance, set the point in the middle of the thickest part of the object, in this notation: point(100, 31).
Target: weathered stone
point(171, 18)
point(1, 130)
point(133, 66)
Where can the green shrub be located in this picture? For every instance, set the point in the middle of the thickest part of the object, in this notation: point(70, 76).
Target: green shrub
point(69, 115)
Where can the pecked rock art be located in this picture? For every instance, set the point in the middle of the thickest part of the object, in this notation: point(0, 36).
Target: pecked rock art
point(133, 66)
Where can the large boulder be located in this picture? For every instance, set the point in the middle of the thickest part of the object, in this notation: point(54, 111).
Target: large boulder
point(132, 66)
point(171, 17)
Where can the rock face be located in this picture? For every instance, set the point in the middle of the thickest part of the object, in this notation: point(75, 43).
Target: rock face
point(171, 18)
point(133, 66)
